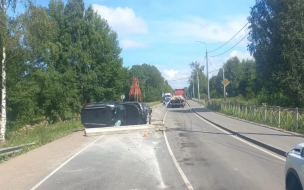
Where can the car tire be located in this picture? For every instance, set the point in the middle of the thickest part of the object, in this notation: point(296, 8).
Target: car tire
point(293, 183)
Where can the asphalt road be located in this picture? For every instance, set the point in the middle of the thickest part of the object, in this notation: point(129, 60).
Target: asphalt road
point(212, 159)
point(125, 161)
point(207, 158)
point(274, 138)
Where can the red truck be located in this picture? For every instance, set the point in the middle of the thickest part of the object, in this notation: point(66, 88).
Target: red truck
point(179, 98)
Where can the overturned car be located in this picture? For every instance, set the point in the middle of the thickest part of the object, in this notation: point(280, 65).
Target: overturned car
point(106, 114)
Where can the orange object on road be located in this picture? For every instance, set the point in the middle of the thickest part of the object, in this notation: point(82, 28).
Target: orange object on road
point(145, 134)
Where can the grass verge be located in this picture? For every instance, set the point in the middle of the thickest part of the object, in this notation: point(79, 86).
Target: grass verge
point(40, 135)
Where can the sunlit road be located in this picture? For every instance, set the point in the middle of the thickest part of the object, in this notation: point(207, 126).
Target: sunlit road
point(213, 159)
point(207, 158)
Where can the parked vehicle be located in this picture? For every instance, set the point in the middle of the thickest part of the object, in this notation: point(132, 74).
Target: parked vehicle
point(294, 168)
point(103, 114)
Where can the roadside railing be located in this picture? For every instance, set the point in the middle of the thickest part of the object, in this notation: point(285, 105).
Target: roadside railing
point(11, 150)
point(202, 101)
point(291, 119)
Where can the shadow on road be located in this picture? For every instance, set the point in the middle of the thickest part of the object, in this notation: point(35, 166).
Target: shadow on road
point(191, 131)
point(180, 110)
point(206, 132)
point(200, 110)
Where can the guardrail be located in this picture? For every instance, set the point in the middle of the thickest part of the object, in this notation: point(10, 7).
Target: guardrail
point(291, 119)
point(11, 150)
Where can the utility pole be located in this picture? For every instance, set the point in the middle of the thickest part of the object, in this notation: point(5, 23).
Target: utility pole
point(193, 88)
point(207, 75)
point(206, 68)
point(198, 94)
point(224, 85)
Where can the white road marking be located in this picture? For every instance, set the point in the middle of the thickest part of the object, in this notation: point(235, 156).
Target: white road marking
point(165, 117)
point(157, 171)
point(240, 139)
point(48, 176)
point(175, 161)
point(177, 165)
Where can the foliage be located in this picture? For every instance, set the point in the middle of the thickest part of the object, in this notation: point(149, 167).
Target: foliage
point(60, 57)
point(240, 74)
point(152, 84)
point(197, 76)
point(277, 44)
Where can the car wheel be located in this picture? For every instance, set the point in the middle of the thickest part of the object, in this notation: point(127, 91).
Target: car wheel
point(293, 183)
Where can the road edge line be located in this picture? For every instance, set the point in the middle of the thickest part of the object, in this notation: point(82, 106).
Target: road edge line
point(177, 165)
point(234, 135)
point(174, 159)
point(59, 167)
point(165, 117)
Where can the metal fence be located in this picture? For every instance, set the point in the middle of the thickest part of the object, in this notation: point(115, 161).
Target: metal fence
point(291, 119)
point(202, 101)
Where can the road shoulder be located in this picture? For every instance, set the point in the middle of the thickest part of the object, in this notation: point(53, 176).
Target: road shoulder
point(26, 170)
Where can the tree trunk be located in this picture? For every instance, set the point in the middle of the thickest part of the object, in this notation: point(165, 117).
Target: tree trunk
point(3, 98)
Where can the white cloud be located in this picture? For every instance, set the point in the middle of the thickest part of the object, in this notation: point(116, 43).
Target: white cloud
point(122, 20)
point(177, 78)
point(241, 55)
point(170, 74)
point(130, 44)
point(207, 30)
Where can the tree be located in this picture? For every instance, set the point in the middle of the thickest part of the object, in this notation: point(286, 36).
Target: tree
point(152, 83)
point(233, 72)
point(197, 73)
point(276, 42)
point(247, 85)
point(65, 51)
point(4, 40)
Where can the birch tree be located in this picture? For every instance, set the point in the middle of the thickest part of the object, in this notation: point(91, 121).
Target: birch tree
point(3, 40)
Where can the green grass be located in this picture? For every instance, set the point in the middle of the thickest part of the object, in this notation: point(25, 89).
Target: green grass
point(39, 134)
point(287, 118)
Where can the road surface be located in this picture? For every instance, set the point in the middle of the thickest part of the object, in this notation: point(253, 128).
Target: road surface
point(191, 154)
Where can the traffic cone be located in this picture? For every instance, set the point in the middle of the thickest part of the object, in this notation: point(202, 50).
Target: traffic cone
point(145, 134)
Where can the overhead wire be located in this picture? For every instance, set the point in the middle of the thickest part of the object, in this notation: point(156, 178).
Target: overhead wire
point(211, 64)
point(213, 71)
point(178, 79)
point(231, 47)
point(230, 38)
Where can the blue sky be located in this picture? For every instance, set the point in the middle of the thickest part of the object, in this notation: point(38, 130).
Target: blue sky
point(163, 32)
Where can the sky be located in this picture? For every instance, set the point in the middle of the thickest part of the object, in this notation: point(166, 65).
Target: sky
point(163, 33)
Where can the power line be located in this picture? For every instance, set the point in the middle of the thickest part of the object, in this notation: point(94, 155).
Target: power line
point(230, 38)
point(214, 71)
point(211, 63)
point(178, 79)
point(230, 48)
